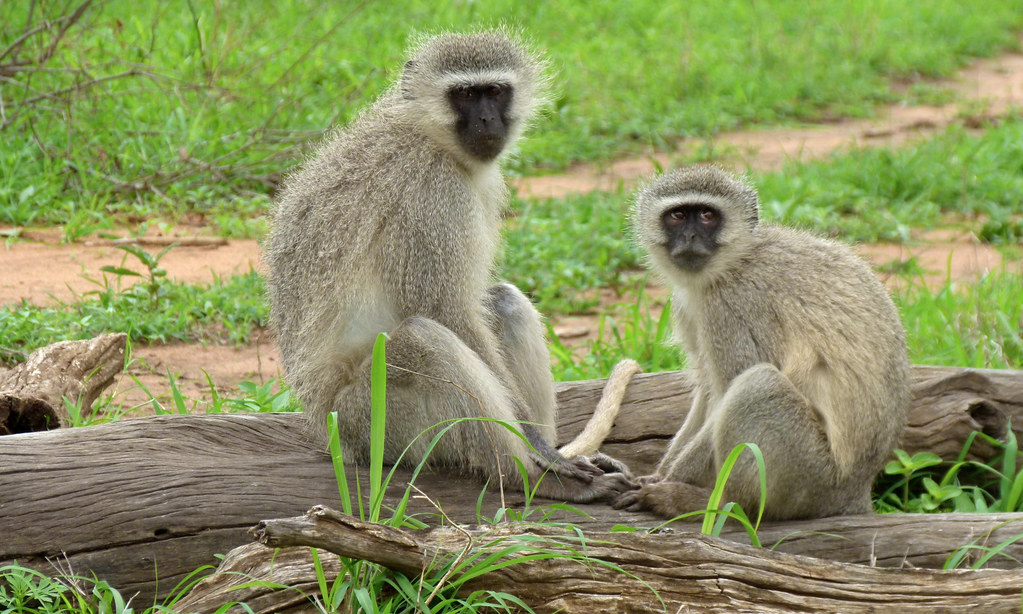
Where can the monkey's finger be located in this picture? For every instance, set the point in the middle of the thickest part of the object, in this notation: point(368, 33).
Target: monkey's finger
point(581, 466)
point(608, 464)
point(643, 480)
point(610, 486)
point(568, 470)
point(620, 482)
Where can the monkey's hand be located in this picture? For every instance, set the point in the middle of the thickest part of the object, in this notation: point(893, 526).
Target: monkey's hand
point(664, 498)
point(579, 480)
point(610, 465)
point(578, 468)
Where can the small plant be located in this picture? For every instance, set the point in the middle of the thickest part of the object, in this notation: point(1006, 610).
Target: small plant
point(361, 586)
point(924, 482)
point(366, 587)
point(906, 466)
point(26, 591)
point(154, 276)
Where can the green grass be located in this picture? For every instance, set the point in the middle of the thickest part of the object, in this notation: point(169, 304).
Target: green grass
point(560, 251)
point(960, 324)
point(224, 311)
point(966, 324)
point(881, 194)
point(152, 110)
point(148, 108)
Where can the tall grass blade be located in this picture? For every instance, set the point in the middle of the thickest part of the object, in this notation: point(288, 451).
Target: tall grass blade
point(1008, 466)
point(378, 404)
point(722, 479)
point(337, 458)
point(179, 399)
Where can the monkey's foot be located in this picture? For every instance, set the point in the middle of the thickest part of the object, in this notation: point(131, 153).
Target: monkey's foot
point(664, 498)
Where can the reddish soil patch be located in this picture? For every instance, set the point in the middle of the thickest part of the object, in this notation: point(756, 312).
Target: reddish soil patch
point(39, 268)
point(42, 270)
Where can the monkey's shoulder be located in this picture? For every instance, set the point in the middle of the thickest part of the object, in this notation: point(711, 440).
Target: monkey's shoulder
point(791, 279)
point(787, 251)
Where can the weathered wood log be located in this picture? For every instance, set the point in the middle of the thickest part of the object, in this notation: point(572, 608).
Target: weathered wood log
point(657, 572)
point(32, 393)
point(948, 404)
point(165, 494)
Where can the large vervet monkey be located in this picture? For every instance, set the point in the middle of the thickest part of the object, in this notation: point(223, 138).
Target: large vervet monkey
point(795, 346)
point(393, 225)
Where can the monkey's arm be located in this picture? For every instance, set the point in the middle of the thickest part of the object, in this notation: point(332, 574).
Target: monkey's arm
point(694, 463)
point(695, 420)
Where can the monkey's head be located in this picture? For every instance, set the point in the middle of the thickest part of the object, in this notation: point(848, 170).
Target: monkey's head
point(695, 222)
point(472, 93)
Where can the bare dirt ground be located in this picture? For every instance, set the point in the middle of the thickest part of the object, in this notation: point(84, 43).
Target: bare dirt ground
point(40, 269)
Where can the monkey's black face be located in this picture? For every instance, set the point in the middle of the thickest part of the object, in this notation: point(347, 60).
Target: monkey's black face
point(482, 112)
point(691, 232)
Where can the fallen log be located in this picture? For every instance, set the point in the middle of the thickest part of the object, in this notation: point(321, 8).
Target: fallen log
point(32, 393)
point(948, 404)
point(129, 499)
point(651, 573)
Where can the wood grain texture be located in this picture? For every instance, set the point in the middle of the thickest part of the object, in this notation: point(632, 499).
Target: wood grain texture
point(166, 494)
point(32, 393)
point(655, 572)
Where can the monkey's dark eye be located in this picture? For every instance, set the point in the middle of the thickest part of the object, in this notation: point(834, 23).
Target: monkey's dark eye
point(493, 91)
point(708, 216)
point(675, 217)
point(462, 92)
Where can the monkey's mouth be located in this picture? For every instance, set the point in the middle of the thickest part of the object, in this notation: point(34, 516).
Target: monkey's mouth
point(486, 147)
point(690, 260)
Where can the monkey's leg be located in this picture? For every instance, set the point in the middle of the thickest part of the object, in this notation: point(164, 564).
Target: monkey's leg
point(519, 332)
point(522, 342)
point(521, 339)
point(693, 424)
point(432, 378)
point(762, 406)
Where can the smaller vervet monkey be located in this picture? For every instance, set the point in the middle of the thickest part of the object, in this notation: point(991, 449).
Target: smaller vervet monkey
point(795, 347)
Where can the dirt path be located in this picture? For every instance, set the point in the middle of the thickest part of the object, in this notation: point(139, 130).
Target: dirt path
point(988, 88)
point(42, 270)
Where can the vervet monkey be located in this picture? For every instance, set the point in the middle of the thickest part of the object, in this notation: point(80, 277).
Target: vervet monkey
point(795, 347)
point(393, 226)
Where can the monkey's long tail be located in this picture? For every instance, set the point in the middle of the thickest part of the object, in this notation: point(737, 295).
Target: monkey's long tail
point(606, 411)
